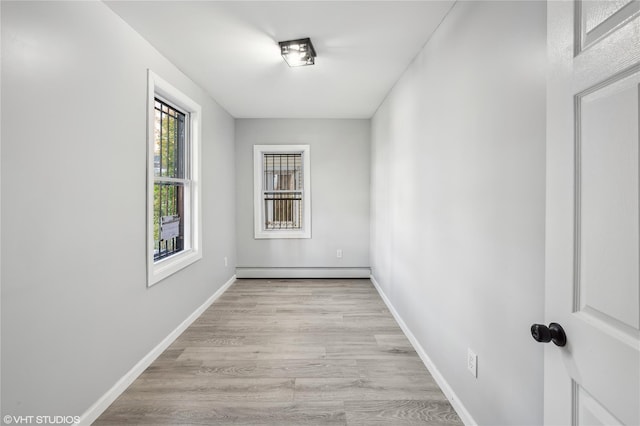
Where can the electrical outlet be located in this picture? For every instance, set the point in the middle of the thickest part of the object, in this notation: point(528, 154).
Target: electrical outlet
point(339, 254)
point(226, 261)
point(472, 362)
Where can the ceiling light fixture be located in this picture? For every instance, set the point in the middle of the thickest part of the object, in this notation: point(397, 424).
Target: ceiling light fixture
point(298, 53)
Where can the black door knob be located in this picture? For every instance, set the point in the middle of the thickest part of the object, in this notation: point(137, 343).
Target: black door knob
point(554, 333)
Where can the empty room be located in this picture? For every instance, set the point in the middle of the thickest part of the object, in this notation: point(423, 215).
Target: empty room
point(320, 212)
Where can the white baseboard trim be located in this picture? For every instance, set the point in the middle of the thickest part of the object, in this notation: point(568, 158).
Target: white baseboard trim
point(243, 272)
point(462, 411)
point(125, 381)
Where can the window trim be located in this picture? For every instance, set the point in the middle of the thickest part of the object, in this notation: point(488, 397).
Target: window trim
point(161, 269)
point(258, 205)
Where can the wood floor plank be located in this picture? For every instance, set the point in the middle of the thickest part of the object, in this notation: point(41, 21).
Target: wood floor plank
point(371, 388)
point(407, 366)
point(319, 338)
point(401, 412)
point(355, 351)
point(196, 339)
point(256, 369)
point(287, 352)
point(252, 352)
point(246, 413)
point(397, 340)
point(211, 389)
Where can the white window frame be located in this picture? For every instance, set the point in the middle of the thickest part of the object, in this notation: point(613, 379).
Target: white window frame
point(192, 252)
point(259, 230)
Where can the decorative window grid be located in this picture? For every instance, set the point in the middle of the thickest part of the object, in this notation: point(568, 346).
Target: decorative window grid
point(282, 196)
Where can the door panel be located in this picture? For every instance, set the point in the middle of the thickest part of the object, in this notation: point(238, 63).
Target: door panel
point(603, 362)
point(591, 412)
point(596, 19)
point(607, 214)
point(593, 217)
point(596, 13)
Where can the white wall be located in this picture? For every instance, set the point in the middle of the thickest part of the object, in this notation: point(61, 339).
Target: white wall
point(76, 312)
point(340, 165)
point(458, 181)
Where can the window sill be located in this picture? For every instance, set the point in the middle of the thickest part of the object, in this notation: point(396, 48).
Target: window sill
point(170, 265)
point(281, 234)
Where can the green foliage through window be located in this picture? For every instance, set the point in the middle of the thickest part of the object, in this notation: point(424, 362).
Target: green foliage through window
point(170, 170)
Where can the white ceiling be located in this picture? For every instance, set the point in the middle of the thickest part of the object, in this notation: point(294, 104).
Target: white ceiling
point(230, 48)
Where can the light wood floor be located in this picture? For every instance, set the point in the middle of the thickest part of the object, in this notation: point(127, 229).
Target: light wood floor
point(288, 352)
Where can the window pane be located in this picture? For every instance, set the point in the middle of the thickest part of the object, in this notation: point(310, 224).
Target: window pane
point(168, 219)
point(283, 210)
point(169, 141)
point(282, 183)
point(282, 172)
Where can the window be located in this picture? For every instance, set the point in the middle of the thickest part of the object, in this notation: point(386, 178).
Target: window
point(282, 191)
point(282, 200)
point(173, 240)
point(170, 166)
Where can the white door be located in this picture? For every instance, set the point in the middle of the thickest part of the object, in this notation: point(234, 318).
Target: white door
point(592, 284)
